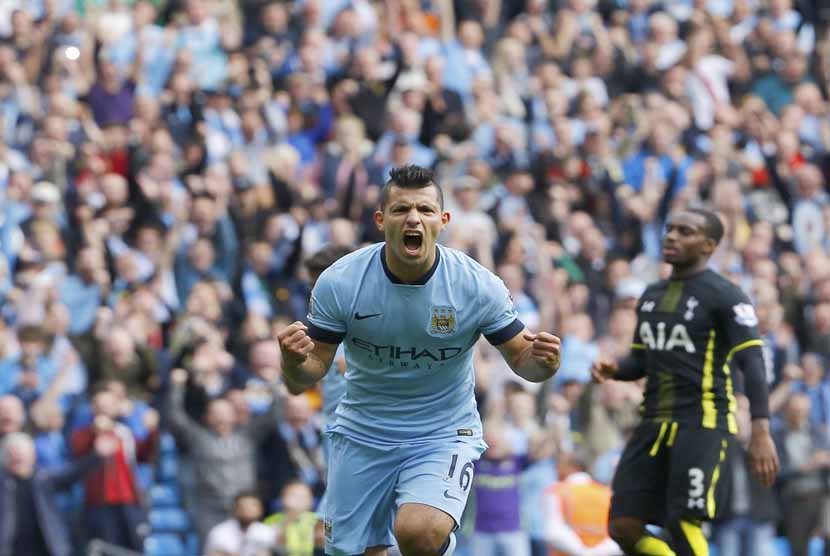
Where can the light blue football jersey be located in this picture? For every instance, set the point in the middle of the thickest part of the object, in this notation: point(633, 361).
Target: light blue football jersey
point(409, 347)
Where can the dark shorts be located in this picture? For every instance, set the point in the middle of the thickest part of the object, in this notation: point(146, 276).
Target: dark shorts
point(670, 471)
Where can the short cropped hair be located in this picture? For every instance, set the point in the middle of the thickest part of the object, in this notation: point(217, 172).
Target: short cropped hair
point(713, 228)
point(410, 177)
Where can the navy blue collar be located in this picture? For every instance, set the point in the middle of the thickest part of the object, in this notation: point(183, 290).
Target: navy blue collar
point(420, 281)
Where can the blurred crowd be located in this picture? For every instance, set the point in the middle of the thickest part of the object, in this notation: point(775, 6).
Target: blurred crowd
point(167, 167)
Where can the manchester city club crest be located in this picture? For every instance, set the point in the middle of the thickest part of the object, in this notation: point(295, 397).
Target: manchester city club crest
point(442, 321)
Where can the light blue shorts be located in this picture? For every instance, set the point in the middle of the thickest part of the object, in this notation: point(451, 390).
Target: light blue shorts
point(368, 484)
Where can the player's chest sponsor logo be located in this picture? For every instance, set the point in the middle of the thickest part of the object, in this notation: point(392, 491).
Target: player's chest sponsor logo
point(442, 320)
point(663, 337)
point(405, 357)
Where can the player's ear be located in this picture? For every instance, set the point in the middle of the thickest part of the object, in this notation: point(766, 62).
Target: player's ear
point(711, 246)
point(379, 220)
point(445, 218)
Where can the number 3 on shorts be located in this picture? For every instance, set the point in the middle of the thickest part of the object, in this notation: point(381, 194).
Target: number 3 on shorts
point(696, 488)
point(465, 477)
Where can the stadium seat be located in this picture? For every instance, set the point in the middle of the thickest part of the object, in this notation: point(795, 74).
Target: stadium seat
point(164, 496)
point(169, 520)
point(816, 547)
point(192, 544)
point(167, 444)
point(780, 547)
point(165, 544)
point(145, 474)
point(168, 468)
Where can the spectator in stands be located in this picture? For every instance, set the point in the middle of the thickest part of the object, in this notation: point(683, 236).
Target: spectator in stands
point(815, 383)
point(223, 456)
point(576, 511)
point(496, 486)
point(298, 531)
point(113, 495)
point(31, 524)
point(749, 525)
point(244, 534)
point(159, 215)
point(12, 415)
point(805, 464)
point(295, 451)
point(50, 443)
point(31, 374)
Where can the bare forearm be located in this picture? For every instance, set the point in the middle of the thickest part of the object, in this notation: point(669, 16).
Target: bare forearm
point(531, 369)
point(299, 377)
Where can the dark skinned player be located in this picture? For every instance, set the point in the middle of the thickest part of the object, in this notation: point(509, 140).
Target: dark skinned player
point(691, 328)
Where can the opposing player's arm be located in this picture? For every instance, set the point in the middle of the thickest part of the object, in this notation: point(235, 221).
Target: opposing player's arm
point(304, 361)
point(631, 367)
point(740, 325)
point(740, 328)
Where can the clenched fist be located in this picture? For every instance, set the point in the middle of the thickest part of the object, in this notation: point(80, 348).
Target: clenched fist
point(295, 344)
point(545, 348)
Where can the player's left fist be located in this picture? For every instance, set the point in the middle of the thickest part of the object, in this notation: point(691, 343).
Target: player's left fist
point(545, 348)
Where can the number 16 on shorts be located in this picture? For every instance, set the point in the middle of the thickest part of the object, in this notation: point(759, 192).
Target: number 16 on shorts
point(463, 477)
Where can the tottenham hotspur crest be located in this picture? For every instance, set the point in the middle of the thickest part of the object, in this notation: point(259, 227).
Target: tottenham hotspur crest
point(442, 321)
point(691, 304)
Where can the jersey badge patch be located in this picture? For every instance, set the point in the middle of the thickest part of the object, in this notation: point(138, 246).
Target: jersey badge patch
point(442, 321)
point(328, 529)
point(691, 304)
point(745, 314)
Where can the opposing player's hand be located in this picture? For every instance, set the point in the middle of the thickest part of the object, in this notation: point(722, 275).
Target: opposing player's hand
point(763, 458)
point(602, 370)
point(295, 343)
point(545, 348)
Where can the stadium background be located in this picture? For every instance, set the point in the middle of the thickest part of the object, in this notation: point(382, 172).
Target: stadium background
point(166, 167)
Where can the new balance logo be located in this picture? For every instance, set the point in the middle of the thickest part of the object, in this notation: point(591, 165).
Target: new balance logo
point(358, 316)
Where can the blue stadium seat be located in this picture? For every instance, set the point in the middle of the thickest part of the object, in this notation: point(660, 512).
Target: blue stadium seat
point(780, 547)
point(145, 474)
point(164, 496)
point(167, 443)
point(816, 547)
point(168, 468)
point(192, 544)
point(169, 520)
point(165, 544)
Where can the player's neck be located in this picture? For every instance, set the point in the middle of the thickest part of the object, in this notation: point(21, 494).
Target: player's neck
point(408, 274)
point(684, 272)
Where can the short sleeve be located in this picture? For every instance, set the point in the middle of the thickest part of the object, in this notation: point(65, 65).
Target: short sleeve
point(739, 321)
point(325, 317)
point(498, 318)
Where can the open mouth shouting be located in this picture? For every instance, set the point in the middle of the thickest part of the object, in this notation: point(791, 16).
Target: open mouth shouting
point(412, 242)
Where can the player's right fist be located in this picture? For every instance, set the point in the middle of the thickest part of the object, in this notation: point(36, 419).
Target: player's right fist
point(602, 370)
point(295, 344)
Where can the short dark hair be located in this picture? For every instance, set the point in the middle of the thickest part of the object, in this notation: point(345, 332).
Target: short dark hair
point(326, 257)
point(32, 333)
point(713, 228)
point(410, 177)
point(246, 494)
